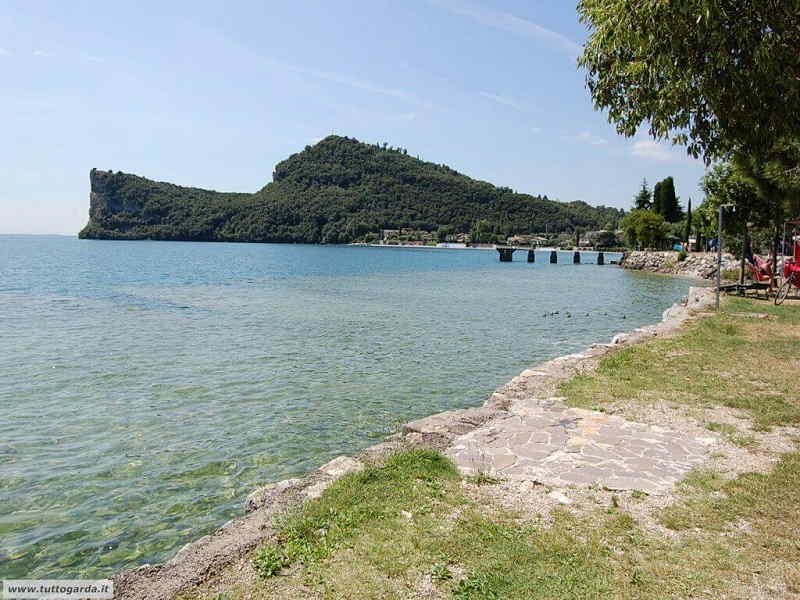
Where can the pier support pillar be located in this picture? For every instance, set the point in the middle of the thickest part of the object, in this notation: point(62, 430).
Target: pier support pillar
point(506, 254)
point(553, 257)
point(531, 256)
point(576, 258)
point(601, 259)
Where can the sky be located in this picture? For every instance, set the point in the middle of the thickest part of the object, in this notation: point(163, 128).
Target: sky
point(214, 94)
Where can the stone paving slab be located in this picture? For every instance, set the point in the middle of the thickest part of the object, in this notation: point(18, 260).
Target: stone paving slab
point(558, 446)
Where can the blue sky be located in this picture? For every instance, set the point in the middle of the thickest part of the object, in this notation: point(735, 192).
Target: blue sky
point(213, 94)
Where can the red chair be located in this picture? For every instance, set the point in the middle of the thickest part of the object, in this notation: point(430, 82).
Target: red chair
point(760, 270)
point(791, 273)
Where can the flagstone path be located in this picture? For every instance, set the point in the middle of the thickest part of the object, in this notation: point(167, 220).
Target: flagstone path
point(558, 446)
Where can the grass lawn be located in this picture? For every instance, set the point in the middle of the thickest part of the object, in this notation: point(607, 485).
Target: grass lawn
point(725, 360)
point(413, 528)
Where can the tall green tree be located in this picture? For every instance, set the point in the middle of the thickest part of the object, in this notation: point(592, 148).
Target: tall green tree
point(670, 208)
point(657, 199)
point(644, 199)
point(644, 228)
point(726, 184)
point(714, 75)
point(481, 232)
point(688, 232)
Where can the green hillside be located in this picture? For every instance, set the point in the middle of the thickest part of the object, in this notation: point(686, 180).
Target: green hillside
point(333, 192)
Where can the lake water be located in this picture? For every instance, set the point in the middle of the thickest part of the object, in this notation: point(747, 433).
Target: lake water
point(147, 387)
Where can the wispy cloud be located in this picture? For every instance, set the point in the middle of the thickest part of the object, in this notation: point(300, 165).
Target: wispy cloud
point(93, 59)
point(42, 53)
point(353, 82)
point(536, 129)
point(511, 23)
point(652, 150)
point(409, 116)
point(504, 100)
point(585, 137)
point(4, 52)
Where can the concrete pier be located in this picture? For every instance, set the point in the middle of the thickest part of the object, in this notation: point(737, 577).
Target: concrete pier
point(506, 254)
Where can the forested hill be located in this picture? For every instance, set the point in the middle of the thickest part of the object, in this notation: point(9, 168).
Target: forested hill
point(333, 192)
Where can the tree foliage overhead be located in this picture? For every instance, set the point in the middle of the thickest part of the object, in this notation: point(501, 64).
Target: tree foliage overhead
point(333, 192)
point(716, 75)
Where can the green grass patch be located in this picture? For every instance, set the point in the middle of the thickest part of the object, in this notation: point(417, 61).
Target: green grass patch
point(723, 360)
point(409, 481)
point(732, 434)
point(771, 499)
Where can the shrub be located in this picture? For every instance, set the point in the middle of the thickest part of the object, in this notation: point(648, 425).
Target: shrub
point(269, 561)
point(682, 256)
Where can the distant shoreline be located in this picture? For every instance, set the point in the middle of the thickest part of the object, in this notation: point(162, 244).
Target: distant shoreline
point(495, 247)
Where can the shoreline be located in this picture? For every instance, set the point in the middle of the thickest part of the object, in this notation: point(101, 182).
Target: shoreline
point(486, 247)
point(199, 560)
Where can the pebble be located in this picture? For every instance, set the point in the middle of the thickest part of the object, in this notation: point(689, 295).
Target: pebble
point(559, 497)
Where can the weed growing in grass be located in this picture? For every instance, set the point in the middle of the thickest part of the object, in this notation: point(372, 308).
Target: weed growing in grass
point(269, 561)
point(475, 587)
point(722, 428)
point(732, 434)
point(441, 572)
point(483, 479)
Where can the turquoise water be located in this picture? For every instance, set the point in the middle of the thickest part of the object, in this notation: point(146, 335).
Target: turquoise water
point(147, 387)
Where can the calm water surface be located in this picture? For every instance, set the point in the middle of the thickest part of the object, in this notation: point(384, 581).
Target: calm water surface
point(147, 387)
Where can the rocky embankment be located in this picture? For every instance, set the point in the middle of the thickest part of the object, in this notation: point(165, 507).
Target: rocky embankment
point(700, 265)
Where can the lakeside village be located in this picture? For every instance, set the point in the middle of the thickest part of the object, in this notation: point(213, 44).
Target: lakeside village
point(589, 240)
point(656, 221)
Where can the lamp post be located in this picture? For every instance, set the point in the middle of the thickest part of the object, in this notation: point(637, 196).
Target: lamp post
point(722, 208)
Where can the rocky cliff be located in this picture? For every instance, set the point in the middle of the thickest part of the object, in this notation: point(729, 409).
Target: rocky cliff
point(702, 265)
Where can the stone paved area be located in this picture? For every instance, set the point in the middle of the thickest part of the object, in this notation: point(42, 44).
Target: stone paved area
point(558, 446)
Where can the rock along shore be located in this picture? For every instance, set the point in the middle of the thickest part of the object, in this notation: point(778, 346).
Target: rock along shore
point(699, 265)
point(532, 390)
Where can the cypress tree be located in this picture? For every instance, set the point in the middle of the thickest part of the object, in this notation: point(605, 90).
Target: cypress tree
point(688, 221)
point(658, 203)
point(670, 208)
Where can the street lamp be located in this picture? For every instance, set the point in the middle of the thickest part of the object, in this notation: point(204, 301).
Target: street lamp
point(722, 208)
